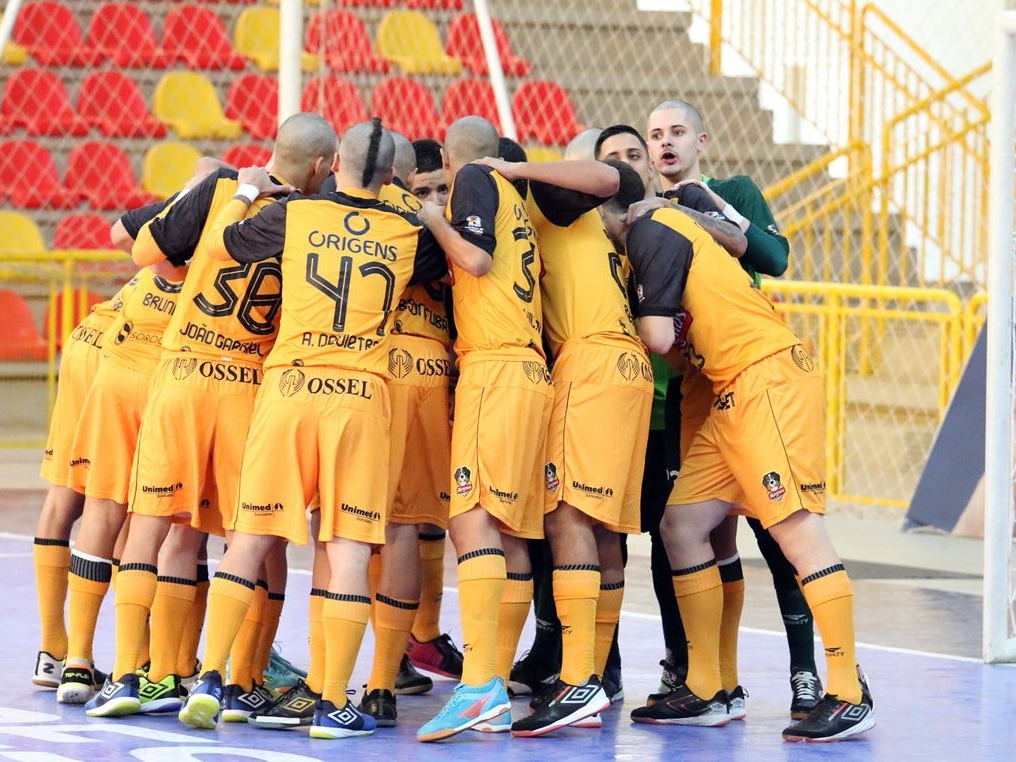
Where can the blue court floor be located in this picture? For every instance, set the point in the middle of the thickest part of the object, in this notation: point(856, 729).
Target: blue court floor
point(928, 707)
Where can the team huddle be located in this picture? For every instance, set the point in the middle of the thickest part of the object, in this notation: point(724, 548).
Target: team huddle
point(403, 339)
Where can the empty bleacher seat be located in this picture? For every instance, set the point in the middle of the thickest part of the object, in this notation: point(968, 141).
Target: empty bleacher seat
point(256, 36)
point(342, 39)
point(336, 99)
point(406, 106)
point(189, 103)
point(167, 168)
point(102, 174)
point(253, 100)
point(111, 102)
point(52, 35)
point(123, 34)
point(196, 36)
point(412, 42)
point(22, 342)
point(470, 96)
point(29, 178)
point(21, 234)
point(465, 44)
point(435, 5)
point(37, 100)
point(247, 155)
point(544, 113)
point(86, 230)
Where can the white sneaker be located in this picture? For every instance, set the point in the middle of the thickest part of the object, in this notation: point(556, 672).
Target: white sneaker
point(47, 670)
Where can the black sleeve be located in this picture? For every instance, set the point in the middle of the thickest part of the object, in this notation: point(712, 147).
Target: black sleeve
point(430, 263)
point(259, 237)
point(660, 258)
point(562, 206)
point(179, 230)
point(694, 197)
point(134, 219)
point(474, 204)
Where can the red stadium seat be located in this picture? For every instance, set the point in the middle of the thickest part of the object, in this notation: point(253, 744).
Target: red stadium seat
point(405, 105)
point(336, 99)
point(465, 44)
point(112, 102)
point(51, 32)
point(37, 100)
point(28, 177)
point(246, 155)
point(197, 37)
point(435, 5)
point(544, 113)
point(253, 100)
point(101, 173)
point(367, 3)
point(82, 231)
point(342, 39)
point(82, 302)
point(470, 96)
point(123, 34)
point(22, 341)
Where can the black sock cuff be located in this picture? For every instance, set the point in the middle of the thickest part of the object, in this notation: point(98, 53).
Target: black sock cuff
point(177, 581)
point(202, 575)
point(431, 537)
point(396, 603)
point(147, 568)
point(731, 572)
point(319, 592)
point(276, 596)
point(262, 583)
point(693, 569)
point(50, 541)
point(577, 567)
point(115, 562)
point(96, 571)
point(347, 597)
point(823, 573)
point(234, 579)
point(613, 586)
point(481, 552)
point(519, 576)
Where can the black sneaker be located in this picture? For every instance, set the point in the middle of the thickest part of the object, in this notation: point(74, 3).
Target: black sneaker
point(239, 704)
point(293, 709)
point(835, 720)
point(117, 698)
point(671, 679)
point(735, 703)
point(682, 707)
point(380, 704)
point(409, 682)
point(567, 704)
point(807, 690)
point(529, 674)
point(77, 685)
point(612, 684)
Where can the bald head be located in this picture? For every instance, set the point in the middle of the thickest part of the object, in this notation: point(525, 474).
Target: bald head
point(366, 155)
point(468, 139)
point(583, 145)
point(303, 138)
point(692, 113)
point(404, 164)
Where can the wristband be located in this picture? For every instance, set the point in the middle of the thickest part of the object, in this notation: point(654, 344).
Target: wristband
point(248, 193)
point(732, 214)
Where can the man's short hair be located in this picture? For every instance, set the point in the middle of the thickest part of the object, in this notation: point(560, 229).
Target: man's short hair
point(690, 111)
point(509, 150)
point(428, 155)
point(618, 129)
point(630, 188)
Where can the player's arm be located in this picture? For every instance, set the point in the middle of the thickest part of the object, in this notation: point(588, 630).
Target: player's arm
point(232, 235)
point(468, 238)
point(661, 258)
point(174, 232)
point(125, 230)
point(591, 177)
point(699, 203)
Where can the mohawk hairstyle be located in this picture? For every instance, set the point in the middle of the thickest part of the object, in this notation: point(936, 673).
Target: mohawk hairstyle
point(370, 162)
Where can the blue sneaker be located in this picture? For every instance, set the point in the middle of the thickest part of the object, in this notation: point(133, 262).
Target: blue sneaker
point(238, 705)
point(204, 702)
point(332, 722)
point(281, 674)
point(469, 706)
point(116, 698)
point(500, 724)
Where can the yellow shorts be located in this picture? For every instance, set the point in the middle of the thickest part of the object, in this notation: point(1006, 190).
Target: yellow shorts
point(191, 441)
point(421, 432)
point(502, 410)
point(103, 448)
point(603, 395)
point(79, 363)
point(763, 444)
point(317, 429)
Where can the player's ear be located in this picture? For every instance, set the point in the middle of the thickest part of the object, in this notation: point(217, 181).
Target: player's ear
point(388, 175)
point(703, 141)
point(444, 160)
point(335, 162)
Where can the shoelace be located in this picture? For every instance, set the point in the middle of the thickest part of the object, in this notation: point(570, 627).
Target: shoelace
point(804, 685)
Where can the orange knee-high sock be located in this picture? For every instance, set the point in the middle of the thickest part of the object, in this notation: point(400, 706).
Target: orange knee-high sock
point(732, 576)
point(393, 618)
point(87, 583)
point(482, 581)
point(229, 597)
point(831, 600)
point(511, 618)
point(269, 629)
point(428, 617)
point(344, 618)
point(699, 593)
point(576, 590)
point(52, 559)
point(608, 614)
point(174, 598)
point(316, 669)
point(187, 658)
point(241, 655)
point(134, 595)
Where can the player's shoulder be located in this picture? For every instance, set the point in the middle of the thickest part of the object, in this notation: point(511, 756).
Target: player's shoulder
point(741, 184)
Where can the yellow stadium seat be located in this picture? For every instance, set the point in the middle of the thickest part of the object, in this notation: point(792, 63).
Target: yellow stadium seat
point(21, 235)
point(13, 55)
point(167, 168)
point(256, 36)
point(409, 40)
point(189, 104)
point(543, 153)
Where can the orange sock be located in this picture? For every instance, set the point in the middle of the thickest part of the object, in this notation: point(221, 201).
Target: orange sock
point(245, 645)
point(732, 576)
point(52, 559)
point(608, 614)
point(393, 619)
point(511, 618)
point(316, 669)
point(87, 583)
point(428, 618)
point(576, 590)
point(482, 581)
point(699, 593)
point(831, 600)
point(174, 598)
point(135, 593)
point(229, 597)
point(269, 629)
point(344, 618)
point(187, 658)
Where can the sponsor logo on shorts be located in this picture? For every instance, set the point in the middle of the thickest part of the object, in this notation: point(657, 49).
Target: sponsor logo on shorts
point(536, 371)
point(261, 508)
point(502, 495)
point(47, 454)
point(124, 332)
point(291, 382)
point(240, 374)
point(771, 482)
point(80, 462)
point(816, 487)
point(550, 472)
point(329, 386)
point(724, 401)
point(443, 496)
point(167, 490)
point(589, 489)
point(802, 359)
point(400, 363)
point(464, 480)
point(360, 513)
point(628, 365)
point(183, 368)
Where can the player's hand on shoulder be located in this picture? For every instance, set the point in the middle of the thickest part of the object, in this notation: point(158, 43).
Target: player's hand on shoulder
point(260, 179)
point(644, 207)
point(676, 190)
point(509, 170)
